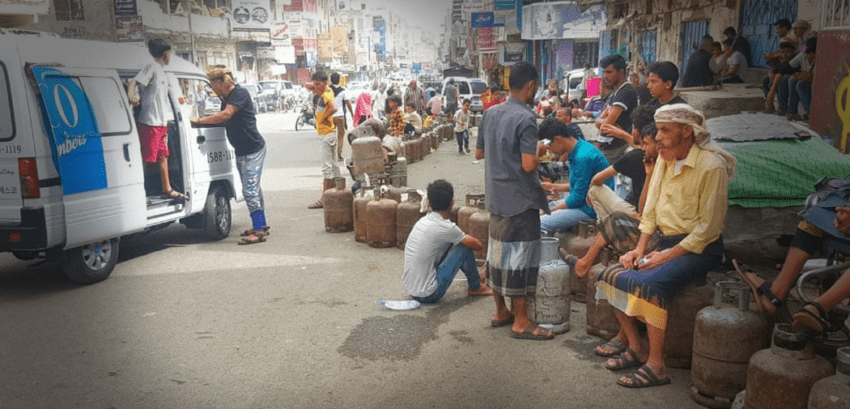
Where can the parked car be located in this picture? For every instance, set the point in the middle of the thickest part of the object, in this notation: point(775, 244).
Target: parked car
point(273, 91)
point(467, 88)
point(572, 84)
point(257, 98)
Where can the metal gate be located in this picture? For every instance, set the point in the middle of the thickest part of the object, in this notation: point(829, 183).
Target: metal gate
point(649, 46)
point(757, 18)
point(692, 34)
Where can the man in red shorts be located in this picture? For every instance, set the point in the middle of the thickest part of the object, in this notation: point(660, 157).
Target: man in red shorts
point(153, 133)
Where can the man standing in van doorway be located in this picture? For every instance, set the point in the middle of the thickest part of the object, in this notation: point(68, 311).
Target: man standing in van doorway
point(240, 119)
point(153, 132)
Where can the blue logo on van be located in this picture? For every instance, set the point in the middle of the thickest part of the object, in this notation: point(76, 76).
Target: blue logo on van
point(76, 145)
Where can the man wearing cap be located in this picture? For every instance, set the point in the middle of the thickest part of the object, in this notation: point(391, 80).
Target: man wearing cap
point(686, 201)
point(153, 131)
point(240, 118)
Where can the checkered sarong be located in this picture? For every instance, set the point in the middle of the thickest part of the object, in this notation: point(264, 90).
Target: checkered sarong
point(513, 254)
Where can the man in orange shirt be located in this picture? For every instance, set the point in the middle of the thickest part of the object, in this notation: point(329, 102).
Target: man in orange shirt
point(325, 109)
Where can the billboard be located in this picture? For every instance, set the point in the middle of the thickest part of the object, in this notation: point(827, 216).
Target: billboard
point(251, 15)
point(561, 20)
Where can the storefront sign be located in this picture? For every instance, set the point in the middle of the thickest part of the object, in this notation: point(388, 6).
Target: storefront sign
point(561, 20)
point(514, 57)
point(125, 8)
point(129, 29)
point(251, 15)
point(479, 20)
point(505, 4)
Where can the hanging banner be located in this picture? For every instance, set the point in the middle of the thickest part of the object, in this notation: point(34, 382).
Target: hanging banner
point(251, 15)
point(561, 20)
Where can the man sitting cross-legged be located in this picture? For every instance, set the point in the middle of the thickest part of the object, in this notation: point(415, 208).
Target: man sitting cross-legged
point(436, 249)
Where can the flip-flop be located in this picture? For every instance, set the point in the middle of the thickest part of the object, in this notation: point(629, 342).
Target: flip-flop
point(259, 238)
point(758, 291)
point(528, 333)
point(252, 231)
point(174, 195)
point(502, 323)
point(568, 258)
point(807, 321)
point(316, 205)
point(633, 361)
point(614, 345)
point(647, 379)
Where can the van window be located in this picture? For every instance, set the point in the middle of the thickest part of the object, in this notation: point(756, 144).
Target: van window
point(463, 88)
point(7, 122)
point(478, 87)
point(106, 98)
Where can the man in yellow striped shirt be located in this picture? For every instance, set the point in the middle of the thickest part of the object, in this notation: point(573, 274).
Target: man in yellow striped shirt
point(687, 202)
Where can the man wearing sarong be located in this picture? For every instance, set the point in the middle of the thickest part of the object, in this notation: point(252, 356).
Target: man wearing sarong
point(508, 141)
point(686, 201)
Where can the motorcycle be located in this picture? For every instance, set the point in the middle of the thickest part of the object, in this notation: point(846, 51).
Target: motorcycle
point(307, 116)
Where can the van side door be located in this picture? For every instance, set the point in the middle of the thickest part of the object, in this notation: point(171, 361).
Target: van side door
point(95, 147)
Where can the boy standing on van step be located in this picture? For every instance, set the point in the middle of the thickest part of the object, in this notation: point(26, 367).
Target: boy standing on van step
point(240, 119)
point(153, 132)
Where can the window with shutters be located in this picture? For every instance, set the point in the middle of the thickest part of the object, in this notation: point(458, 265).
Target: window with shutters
point(69, 10)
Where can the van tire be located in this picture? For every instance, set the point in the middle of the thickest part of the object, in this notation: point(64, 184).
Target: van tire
point(91, 263)
point(217, 214)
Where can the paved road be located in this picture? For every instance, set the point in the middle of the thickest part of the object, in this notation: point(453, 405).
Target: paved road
point(291, 323)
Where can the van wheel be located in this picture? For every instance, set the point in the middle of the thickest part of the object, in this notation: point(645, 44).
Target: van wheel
point(91, 263)
point(217, 221)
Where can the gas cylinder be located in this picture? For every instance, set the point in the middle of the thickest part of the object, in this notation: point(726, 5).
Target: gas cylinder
point(454, 214)
point(408, 151)
point(339, 208)
point(393, 193)
point(550, 305)
point(479, 227)
point(360, 225)
point(398, 173)
point(470, 207)
point(681, 315)
point(578, 246)
point(367, 154)
point(426, 146)
point(782, 375)
point(432, 137)
point(726, 335)
point(447, 132)
point(380, 217)
point(833, 392)
point(601, 320)
point(407, 214)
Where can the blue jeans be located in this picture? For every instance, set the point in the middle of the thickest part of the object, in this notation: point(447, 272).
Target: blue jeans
point(804, 92)
point(783, 91)
point(459, 257)
point(462, 140)
point(563, 219)
point(250, 169)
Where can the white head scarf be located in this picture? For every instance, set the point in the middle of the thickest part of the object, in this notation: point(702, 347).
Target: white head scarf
point(687, 115)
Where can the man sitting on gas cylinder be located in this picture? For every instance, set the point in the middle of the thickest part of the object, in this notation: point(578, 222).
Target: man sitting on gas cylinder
point(437, 248)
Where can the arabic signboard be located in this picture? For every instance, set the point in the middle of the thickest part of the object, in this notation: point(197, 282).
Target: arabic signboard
point(479, 20)
point(129, 29)
point(251, 15)
point(125, 8)
point(561, 20)
point(505, 4)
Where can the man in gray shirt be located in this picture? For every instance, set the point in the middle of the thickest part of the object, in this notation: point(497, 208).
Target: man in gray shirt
point(509, 143)
point(152, 122)
point(436, 249)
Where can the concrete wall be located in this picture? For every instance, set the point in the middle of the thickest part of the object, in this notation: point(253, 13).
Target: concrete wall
point(98, 24)
point(831, 91)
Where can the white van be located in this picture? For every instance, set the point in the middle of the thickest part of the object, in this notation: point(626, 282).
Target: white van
point(467, 88)
point(72, 181)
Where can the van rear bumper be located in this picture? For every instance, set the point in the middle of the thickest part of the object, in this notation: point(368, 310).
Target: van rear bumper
point(32, 231)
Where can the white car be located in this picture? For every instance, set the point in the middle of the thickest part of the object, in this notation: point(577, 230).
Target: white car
point(467, 88)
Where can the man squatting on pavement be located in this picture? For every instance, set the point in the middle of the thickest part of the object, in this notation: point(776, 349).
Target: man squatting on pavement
point(240, 119)
point(436, 249)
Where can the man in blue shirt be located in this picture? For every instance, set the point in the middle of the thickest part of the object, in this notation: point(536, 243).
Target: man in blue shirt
point(584, 161)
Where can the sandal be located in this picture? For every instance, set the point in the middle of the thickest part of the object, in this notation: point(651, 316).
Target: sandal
point(252, 231)
point(174, 195)
point(807, 321)
point(628, 359)
point(759, 291)
point(253, 239)
point(502, 323)
point(537, 333)
point(316, 205)
point(615, 346)
point(570, 259)
point(643, 378)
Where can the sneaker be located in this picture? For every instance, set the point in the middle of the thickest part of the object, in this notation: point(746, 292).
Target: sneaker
point(467, 150)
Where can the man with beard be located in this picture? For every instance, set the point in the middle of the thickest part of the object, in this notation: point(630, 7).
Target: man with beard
point(153, 131)
point(515, 198)
point(687, 203)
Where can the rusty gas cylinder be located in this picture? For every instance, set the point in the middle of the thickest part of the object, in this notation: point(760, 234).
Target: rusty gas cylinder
point(367, 155)
point(454, 214)
point(339, 208)
point(380, 218)
point(479, 227)
point(601, 320)
point(681, 315)
point(408, 152)
point(780, 377)
point(360, 225)
point(425, 146)
point(407, 214)
point(833, 392)
point(550, 305)
point(578, 247)
point(398, 173)
point(470, 206)
point(726, 335)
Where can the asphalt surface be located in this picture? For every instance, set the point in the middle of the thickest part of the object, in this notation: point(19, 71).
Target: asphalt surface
point(290, 323)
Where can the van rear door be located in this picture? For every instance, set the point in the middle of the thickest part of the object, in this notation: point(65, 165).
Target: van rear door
point(95, 146)
point(10, 182)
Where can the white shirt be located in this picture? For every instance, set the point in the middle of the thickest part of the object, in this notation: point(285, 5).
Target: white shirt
point(153, 93)
point(462, 121)
point(738, 59)
point(339, 100)
point(429, 241)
